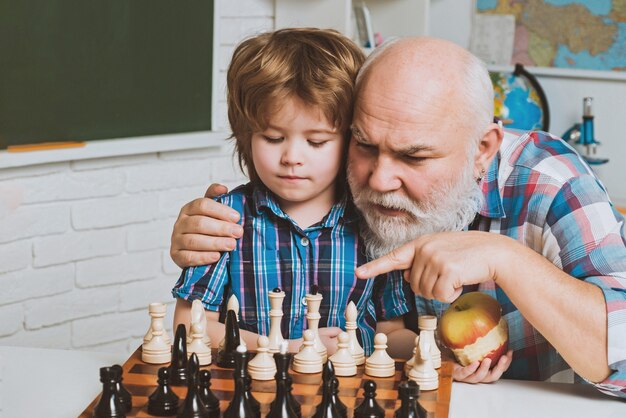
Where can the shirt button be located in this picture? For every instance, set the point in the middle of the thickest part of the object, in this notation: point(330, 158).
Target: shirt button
point(304, 241)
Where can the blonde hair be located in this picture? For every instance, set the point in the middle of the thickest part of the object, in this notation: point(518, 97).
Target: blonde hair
point(318, 66)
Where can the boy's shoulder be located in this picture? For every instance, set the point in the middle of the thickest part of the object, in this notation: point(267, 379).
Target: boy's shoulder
point(241, 198)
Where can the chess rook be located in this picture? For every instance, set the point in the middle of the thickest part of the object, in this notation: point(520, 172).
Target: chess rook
point(353, 344)
point(125, 396)
point(110, 404)
point(276, 314)
point(157, 313)
point(157, 348)
point(313, 302)
point(427, 325)
point(408, 393)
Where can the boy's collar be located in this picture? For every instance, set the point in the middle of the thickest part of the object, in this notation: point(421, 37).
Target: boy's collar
point(263, 200)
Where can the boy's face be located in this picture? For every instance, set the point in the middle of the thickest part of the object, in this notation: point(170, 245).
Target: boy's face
point(299, 156)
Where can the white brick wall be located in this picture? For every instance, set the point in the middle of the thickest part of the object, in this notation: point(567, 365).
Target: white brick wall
point(84, 245)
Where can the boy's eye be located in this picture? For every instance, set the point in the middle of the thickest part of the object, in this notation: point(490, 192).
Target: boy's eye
point(273, 139)
point(316, 144)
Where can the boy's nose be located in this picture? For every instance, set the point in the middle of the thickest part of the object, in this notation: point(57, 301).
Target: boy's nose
point(292, 155)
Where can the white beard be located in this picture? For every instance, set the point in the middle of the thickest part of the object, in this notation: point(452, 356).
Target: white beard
point(451, 208)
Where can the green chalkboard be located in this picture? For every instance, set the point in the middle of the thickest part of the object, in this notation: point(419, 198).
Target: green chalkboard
point(76, 70)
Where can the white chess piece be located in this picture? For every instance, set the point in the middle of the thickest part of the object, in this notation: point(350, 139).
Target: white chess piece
point(342, 360)
point(380, 364)
point(156, 351)
point(157, 312)
point(353, 345)
point(423, 372)
point(308, 360)
point(197, 344)
point(198, 315)
point(262, 366)
point(411, 362)
point(276, 314)
point(313, 316)
point(427, 325)
point(231, 305)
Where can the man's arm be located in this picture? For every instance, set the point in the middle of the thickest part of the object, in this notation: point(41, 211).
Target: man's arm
point(204, 228)
point(570, 313)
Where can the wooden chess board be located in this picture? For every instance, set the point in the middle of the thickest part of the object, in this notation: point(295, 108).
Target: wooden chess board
point(141, 379)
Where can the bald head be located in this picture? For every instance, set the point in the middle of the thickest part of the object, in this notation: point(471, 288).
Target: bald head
point(434, 74)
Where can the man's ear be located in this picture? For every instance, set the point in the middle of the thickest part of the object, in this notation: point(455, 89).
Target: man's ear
point(488, 147)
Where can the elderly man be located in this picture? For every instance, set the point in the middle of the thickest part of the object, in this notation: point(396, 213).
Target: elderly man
point(460, 205)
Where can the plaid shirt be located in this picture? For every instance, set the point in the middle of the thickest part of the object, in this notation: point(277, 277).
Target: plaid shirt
point(541, 193)
point(275, 252)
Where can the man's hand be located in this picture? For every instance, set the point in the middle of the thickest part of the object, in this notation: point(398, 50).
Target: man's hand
point(204, 228)
point(478, 371)
point(439, 265)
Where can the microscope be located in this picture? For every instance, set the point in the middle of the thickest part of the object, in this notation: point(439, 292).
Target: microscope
point(582, 135)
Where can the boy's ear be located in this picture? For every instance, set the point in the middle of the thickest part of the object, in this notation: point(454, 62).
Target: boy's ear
point(488, 147)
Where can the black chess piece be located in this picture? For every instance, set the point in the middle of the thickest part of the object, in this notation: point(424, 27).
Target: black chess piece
point(328, 374)
point(226, 356)
point(163, 402)
point(369, 408)
point(178, 368)
point(283, 405)
point(314, 289)
point(327, 408)
point(110, 404)
point(193, 407)
point(208, 398)
point(241, 406)
point(408, 393)
point(125, 396)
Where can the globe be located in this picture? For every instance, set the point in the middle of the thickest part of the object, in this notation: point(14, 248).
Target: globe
point(519, 100)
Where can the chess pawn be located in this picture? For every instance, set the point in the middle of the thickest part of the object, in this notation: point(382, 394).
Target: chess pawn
point(262, 366)
point(380, 364)
point(197, 344)
point(423, 372)
point(408, 393)
point(206, 396)
point(163, 401)
point(308, 360)
point(353, 345)
point(342, 360)
point(198, 316)
point(427, 325)
point(231, 305)
point(313, 302)
point(157, 313)
point(411, 362)
point(156, 350)
point(125, 396)
point(276, 314)
point(193, 407)
point(369, 408)
point(110, 404)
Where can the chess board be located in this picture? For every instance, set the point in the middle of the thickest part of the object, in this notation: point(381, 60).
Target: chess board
point(141, 379)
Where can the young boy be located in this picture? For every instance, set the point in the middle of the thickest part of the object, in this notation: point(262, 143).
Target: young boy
point(290, 97)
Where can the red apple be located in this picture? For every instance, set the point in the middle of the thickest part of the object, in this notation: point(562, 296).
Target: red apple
point(474, 329)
